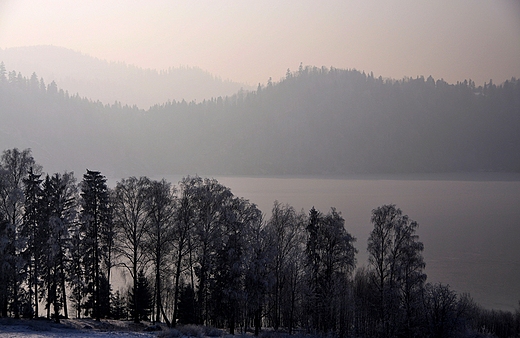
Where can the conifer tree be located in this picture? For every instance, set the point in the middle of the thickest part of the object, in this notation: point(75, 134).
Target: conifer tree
point(119, 306)
point(33, 229)
point(140, 299)
point(96, 226)
point(60, 197)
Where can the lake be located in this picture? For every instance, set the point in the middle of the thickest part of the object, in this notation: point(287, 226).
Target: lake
point(469, 223)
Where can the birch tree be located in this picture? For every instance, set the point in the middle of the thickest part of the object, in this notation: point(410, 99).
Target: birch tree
point(14, 166)
point(396, 260)
point(132, 224)
point(160, 210)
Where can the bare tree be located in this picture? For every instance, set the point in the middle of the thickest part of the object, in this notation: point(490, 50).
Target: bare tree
point(160, 208)
point(285, 232)
point(209, 198)
point(14, 167)
point(184, 228)
point(132, 223)
point(396, 260)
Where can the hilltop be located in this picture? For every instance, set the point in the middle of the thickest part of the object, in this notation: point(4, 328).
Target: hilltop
point(315, 121)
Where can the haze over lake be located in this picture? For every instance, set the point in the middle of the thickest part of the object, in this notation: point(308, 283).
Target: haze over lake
point(469, 223)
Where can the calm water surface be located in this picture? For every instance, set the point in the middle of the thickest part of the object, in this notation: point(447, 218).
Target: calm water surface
point(469, 223)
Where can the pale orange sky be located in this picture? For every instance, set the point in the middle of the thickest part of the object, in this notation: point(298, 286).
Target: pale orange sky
point(250, 41)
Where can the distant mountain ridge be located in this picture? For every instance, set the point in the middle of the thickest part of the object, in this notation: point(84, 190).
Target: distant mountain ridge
point(109, 82)
point(316, 121)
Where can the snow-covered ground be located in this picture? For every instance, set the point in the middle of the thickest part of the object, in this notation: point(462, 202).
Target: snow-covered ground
point(75, 328)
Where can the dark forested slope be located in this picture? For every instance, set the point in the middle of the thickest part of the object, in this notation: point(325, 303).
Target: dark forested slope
point(314, 121)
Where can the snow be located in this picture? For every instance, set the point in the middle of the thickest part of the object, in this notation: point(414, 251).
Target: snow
point(76, 328)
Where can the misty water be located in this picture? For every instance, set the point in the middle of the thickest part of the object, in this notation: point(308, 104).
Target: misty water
point(469, 223)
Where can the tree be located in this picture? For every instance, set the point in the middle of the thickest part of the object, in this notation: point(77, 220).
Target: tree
point(183, 232)
point(285, 233)
point(77, 269)
point(96, 235)
point(119, 306)
point(33, 229)
point(60, 205)
point(396, 260)
point(140, 298)
point(187, 305)
point(331, 259)
point(228, 294)
point(14, 166)
point(132, 224)
point(258, 276)
point(5, 230)
point(209, 199)
point(160, 208)
point(441, 310)
point(3, 72)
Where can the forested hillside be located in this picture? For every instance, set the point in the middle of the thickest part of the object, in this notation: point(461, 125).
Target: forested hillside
point(314, 121)
point(115, 81)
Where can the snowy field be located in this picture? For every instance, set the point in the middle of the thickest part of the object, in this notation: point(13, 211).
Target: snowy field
point(75, 328)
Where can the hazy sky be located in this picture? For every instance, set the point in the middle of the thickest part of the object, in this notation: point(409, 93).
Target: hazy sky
point(250, 41)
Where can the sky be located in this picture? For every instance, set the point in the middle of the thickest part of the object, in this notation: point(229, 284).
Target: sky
point(251, 41)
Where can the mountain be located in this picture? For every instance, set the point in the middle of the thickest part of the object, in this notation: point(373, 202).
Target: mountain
point(315, 121)
point(109, 82)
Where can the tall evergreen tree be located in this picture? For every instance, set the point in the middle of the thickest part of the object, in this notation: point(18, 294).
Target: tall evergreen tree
point(60, 198)
point(33, 229)
point(96, 223)
point(330, 256)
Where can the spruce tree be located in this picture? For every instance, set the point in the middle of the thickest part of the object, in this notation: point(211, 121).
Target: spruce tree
point(33, 229)
point(119, 306)
point(96, 222)
point(140, 299)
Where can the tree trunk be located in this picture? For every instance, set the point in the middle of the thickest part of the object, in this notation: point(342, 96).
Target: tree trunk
point(258, 320)
point(157, 293)
point(134, 270)
point(64, 295)
point(232, 323)
point(176, 296)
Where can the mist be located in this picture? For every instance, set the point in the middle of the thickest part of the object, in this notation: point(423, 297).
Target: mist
point(347, 106)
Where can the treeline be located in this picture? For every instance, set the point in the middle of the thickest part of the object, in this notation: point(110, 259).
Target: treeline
point(116, 81)
point(197, 254)
point(313, 121)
